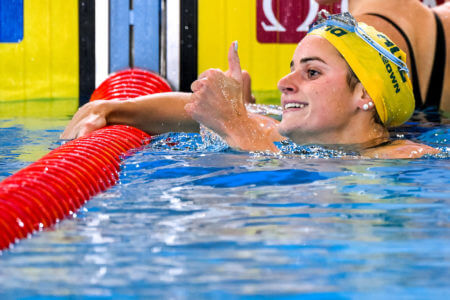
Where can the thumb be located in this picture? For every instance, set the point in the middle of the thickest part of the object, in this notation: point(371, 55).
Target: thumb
point(234, 65)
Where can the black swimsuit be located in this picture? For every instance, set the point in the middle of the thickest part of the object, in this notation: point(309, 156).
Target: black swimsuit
point(434, 92)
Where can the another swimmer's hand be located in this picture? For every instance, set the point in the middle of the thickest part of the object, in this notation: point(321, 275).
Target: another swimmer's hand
point(88, 118)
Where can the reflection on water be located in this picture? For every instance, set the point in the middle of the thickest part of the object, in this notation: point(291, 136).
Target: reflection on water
point(188, 221)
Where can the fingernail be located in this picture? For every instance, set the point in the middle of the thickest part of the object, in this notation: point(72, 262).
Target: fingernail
point(235, 46)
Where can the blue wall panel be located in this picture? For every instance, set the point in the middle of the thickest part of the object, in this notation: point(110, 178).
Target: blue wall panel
point(146, 38)
point(144, 44)
point(11, 21)
point(119, 35)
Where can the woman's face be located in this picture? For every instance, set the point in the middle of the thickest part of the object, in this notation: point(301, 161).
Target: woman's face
point(316, 99)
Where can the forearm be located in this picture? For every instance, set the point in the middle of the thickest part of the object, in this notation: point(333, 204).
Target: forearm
point(154, 114)
point(252, 132)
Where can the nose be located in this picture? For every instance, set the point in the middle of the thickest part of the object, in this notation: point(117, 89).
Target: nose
point(288, 84)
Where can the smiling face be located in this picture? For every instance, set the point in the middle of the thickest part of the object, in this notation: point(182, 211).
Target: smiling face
point(318, 105)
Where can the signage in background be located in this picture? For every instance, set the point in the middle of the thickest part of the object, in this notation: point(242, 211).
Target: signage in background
point(287, 21)
point(433, 3)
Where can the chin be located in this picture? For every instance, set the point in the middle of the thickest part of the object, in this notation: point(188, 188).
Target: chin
point(300, 135)
point(287, 131)
point(283, 129)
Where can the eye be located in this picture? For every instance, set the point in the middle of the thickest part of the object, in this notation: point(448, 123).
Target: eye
point(313, 73)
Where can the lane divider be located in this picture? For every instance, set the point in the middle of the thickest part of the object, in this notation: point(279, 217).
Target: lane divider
point(58, 184)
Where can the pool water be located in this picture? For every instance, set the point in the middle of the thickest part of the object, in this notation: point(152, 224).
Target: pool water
point(192, 219)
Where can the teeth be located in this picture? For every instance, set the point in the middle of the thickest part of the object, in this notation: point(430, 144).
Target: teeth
point(294, 105)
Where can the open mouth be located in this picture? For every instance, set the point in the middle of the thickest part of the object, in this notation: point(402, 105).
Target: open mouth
point(294, 105)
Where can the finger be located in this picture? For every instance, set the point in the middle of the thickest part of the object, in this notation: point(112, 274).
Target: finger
point(234, 64)
point(209, 72)
point(196, 85)
point(66, 135)
point(190, 108)
point(247, 88)
point(202, 75)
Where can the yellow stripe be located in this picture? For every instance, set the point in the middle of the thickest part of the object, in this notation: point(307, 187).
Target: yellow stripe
point(45, 63)
point(38, 108)
point(223, 21)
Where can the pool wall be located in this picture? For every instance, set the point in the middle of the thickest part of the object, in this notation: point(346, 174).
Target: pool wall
point(59, 50)
point(42, 60)
point(64, 49)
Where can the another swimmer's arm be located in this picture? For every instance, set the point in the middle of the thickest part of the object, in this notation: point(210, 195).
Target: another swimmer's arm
point(154, 114)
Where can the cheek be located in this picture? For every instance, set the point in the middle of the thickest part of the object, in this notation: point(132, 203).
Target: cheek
point(331, 99)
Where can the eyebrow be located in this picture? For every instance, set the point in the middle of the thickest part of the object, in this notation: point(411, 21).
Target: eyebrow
point(307, 59)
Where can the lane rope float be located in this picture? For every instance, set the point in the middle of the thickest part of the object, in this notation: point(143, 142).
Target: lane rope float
point(58, 184)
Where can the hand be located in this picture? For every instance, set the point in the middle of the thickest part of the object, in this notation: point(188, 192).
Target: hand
point(246, 87)
point(217, 101)
point(88, 118)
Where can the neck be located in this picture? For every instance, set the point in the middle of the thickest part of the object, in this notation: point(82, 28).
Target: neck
point(358, 134)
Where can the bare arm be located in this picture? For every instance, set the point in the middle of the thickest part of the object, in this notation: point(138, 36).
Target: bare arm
point(154, 114)
point(218, 103)
point(400, 149)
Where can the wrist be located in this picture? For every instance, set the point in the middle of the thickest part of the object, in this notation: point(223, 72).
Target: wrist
point(246, 133)
point(112, 111)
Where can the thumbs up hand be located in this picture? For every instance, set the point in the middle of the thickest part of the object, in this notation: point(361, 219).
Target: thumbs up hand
point(217, 99)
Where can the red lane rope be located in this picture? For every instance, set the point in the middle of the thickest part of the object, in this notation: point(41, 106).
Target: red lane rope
point(59, 183)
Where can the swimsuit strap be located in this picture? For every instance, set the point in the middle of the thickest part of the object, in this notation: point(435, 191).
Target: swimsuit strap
point(436, 84)
point(415, 78)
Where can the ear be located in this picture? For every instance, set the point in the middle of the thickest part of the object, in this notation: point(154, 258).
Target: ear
point(362, 99)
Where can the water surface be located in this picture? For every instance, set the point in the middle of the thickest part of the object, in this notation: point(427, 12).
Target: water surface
point(192, 219)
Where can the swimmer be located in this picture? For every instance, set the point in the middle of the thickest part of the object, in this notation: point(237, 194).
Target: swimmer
point(423, 33)
point(344, 90)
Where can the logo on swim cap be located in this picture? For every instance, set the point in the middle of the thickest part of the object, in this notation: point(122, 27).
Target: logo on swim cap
point(377, 62)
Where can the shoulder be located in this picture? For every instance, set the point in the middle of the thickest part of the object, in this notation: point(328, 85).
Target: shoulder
point(443, 8)
point(400, 149)
point(443, 11)
point(417, 20)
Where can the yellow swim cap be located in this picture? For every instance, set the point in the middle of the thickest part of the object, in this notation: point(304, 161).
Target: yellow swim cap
point(376, 60)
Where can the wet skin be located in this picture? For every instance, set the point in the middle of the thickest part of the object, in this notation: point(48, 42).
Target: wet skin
point(318, 105)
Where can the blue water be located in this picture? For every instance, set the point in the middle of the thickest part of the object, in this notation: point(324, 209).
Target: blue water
point(196, 220)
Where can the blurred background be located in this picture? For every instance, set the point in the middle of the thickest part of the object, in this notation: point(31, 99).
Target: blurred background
point(53, 53)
